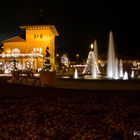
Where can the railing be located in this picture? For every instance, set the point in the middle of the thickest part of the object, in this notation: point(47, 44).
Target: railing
point(25, 75)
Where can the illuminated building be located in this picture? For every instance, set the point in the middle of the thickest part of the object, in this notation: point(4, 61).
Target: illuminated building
point(29, 51)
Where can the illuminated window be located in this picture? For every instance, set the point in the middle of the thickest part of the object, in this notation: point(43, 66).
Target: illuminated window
point(41, 36)
point(34, 49)
point(1, 63)
point(34, 36)
point(16, 52)
point(40, 50)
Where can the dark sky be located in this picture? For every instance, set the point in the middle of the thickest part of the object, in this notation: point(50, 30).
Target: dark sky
point(78, 23)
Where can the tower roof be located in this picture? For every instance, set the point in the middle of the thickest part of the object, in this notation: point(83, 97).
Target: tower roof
point(40, 27)
point(39, 24)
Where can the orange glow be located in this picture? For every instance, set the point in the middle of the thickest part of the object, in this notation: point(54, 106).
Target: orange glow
point(99, 61)
point(8, 51)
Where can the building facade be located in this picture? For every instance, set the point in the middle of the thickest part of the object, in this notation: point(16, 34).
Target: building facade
point(29, 51)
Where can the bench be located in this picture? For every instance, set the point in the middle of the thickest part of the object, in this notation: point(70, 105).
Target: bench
point(28, 75)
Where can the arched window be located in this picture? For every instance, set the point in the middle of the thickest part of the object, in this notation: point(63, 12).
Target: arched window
point(16, 52)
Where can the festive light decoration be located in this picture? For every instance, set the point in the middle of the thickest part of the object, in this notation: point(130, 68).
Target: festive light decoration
point(65, 60)
point(21, 55)
point(46, 63)
point(91, 65)
point(14, 65)
point(31, 61)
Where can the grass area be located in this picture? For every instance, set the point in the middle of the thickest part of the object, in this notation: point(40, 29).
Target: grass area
point(37, 113)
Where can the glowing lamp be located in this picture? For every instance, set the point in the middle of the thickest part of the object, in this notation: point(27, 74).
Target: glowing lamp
point(99, 61)
point(77, 55)
point(8, 51)
point(91, 46)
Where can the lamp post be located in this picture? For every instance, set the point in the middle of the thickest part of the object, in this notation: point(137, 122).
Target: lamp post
point(57, 62)
point(77, 58)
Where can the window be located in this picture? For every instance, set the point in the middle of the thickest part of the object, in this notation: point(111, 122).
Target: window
point(41, 36)
point(16, 52)
point(34, 36)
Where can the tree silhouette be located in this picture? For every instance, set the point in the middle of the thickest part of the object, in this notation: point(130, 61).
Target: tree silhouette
point(46, 63)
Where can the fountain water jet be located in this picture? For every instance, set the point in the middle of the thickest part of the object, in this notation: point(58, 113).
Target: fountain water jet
point(132, 74)
point(116, 76)
point(95, 51)
point(125, 77)
point(94, 72)
point(76, 74)
point(111, 58)
point(121, 69)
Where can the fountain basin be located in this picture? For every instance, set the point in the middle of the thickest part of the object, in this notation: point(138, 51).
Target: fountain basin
point(97, 84)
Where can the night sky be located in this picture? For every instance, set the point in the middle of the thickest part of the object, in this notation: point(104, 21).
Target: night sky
point(78, 23)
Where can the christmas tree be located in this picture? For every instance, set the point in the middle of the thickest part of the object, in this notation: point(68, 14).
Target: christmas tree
point(46, 63)
point(14, 65)
point(65, 60)
point(91, 64)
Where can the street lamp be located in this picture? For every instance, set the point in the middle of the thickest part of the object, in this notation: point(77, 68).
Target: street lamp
point(77, 58)
point(91, 46)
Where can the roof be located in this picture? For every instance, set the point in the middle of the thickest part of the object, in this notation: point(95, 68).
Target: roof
point(32, 27)
point(14, 39)
point(41, 23)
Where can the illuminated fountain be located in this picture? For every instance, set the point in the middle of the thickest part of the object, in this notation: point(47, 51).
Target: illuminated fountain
point(132, 74)
point(125, 77)
point(111, 57)
point(89, 76)
point(121, 69)
point(116, 72)
point(95, 50)
point(76, 74)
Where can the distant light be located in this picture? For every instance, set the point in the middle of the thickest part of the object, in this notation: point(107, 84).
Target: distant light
point(8, 51)
point(132, 74)
point(136, 133)
point(77, 55)
point(125, 77)
point(99, 61)
point(76, 74)
point(91, 46)
point(66, 77)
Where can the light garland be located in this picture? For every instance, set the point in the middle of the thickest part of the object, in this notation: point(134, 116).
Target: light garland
point(22, 55)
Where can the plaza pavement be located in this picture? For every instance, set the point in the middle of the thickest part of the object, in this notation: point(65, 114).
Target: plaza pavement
point(85, 84)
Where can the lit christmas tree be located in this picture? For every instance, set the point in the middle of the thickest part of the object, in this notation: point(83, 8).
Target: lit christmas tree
point(46, 63)
point(65, 60)
point(14, 65)
point(91, 64)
